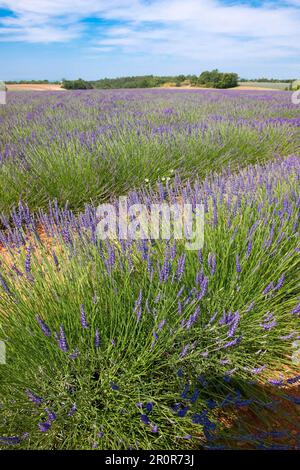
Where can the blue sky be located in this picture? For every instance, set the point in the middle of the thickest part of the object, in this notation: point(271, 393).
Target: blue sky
point(91, 39)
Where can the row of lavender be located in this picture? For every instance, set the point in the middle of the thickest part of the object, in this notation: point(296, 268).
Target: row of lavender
point(141, 344)
point(82, 146)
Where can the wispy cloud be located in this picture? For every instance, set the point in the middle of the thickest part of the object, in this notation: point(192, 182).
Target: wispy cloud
point(195, 29)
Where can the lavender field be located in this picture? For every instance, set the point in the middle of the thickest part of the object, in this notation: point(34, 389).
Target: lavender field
point(142, 344)
point(115, 140)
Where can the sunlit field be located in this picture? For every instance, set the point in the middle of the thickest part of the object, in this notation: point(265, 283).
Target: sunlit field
point(142, 344)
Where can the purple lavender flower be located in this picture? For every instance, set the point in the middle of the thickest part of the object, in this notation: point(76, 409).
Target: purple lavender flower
point(180, 292)
point(287, 337)
point(5, 286)
point(72, 410)
point(182, 412)
point(212, 318)
point(269, 287)
point(51, 415)
point(145, 419)
point(180, 266)
point(62, 340)
point(55, 259)
point(250, 307)
point(161, 325)
point(280, 283)
point(45, 329)
point(269, 322)
point(10, 441)
point(185, 350)
point(33, 397)
point(28, 262)
point(138, 306)
point(149, 407)
point(232, 343)
point(199, 277)
point(97, 339)
point(276, 382)
point(193, 318)
point(238, 264)
point(187, 436)
point(195, 396)
point(114, 386)
point(296, 310)
point(258, 370)
point(293, 380)
point(74, 354)
point(154, 428)
point(203, 291)
point(234, 324)
point(44, 427)
point(249, 248)
point(212, 262)
point(83, 319)
point(211, 404)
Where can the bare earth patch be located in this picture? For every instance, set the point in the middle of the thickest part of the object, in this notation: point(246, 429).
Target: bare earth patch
point(34, 87)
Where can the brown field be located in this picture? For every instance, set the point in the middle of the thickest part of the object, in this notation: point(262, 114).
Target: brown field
point(34, 87)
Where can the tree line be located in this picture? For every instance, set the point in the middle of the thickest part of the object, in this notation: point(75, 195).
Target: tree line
point(213, 79)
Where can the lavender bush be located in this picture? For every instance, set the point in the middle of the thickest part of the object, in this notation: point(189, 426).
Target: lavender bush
point(141, 344)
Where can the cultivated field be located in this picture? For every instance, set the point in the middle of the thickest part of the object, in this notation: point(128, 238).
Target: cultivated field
point(265, 85)
point(34, 87)
point(142, 344)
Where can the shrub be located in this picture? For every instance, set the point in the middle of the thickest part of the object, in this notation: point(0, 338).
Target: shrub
point(217, 79)
point(143, 345)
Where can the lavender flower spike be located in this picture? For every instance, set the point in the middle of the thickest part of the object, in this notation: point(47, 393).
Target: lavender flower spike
point(10, 441)
point(62, 341)
point(83, 319)
point(72, 410)
point(97, 339)
point(44, 427)
point(51, 414)
point(33, 397)
point(45, 329)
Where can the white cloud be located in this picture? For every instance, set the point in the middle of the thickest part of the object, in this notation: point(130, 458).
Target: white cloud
point(197, 29)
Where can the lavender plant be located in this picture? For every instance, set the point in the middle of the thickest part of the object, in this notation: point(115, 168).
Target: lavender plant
point(142, 344)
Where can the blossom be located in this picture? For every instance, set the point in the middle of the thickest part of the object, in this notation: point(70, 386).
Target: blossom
point(145, 419)
point(45, 329)
point(83, 319)
point(97, 339)
point(33, 397)
point(44, 426)
point(72, 410)
point(62, 340)
point(10, 441)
